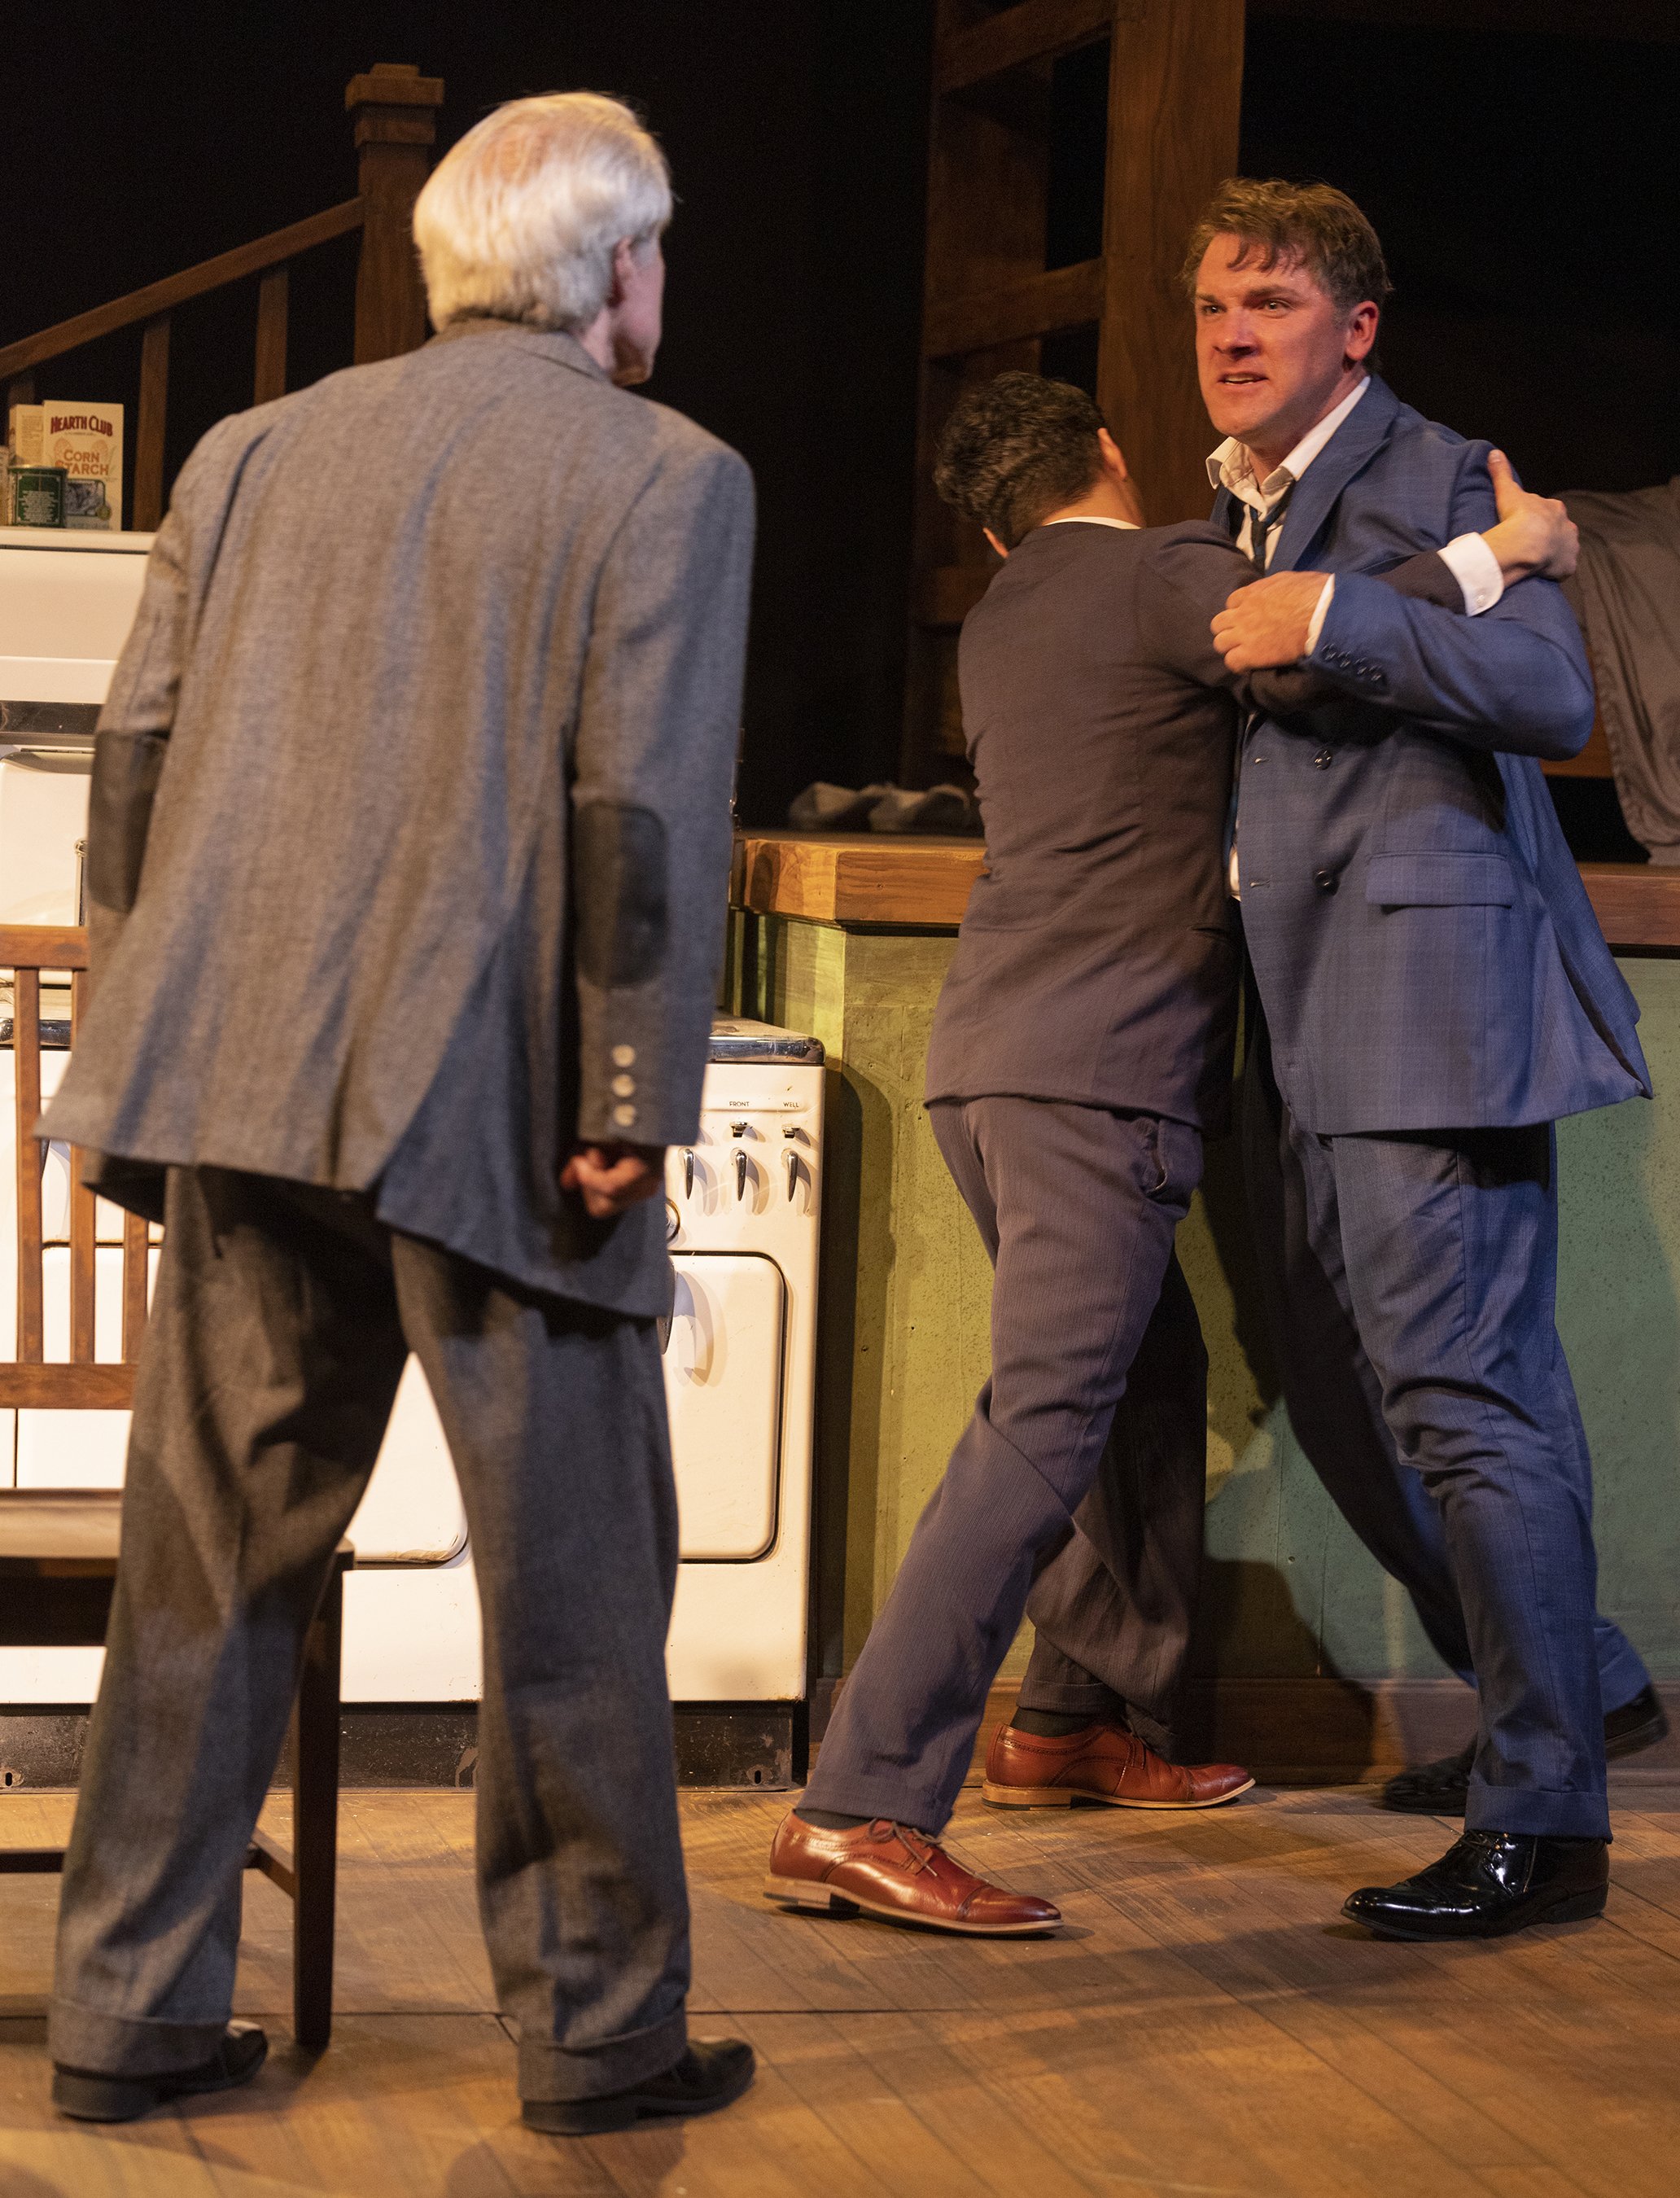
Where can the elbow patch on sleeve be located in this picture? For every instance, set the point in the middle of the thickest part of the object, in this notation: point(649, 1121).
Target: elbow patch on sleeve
point(126, 769)
point(621, 894)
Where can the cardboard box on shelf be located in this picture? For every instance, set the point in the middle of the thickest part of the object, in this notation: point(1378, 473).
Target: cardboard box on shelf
point(23, 435)
point(87, 440)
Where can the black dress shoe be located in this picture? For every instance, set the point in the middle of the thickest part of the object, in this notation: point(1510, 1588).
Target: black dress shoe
point(89, 2096)
point(713, 2073)
point(1441, 1788)
point(1488, 1883)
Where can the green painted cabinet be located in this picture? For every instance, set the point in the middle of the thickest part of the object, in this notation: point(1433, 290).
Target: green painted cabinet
point(906, 1289)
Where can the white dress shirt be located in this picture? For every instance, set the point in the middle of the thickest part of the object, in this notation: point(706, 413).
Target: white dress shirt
point(1467, 557)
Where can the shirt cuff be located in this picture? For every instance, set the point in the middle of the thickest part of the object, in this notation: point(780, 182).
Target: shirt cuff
point(1477, 571)
point(1322, 608)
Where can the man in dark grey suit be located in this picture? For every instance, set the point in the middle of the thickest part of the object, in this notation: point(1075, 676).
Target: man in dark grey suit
point(1436, 993)
point(408, 865)
point(1081, 1049)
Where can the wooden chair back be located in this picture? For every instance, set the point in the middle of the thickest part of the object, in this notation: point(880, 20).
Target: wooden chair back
point(27, 1381)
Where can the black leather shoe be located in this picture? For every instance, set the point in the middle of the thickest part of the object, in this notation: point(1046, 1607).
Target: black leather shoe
point(1488, 1883)
point(1441, 1788)
point(89, 2096)
point(713, 2073)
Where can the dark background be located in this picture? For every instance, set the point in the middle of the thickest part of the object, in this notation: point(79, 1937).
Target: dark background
point(1523, 185)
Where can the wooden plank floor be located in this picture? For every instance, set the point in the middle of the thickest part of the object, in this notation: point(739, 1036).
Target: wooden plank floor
point(1205, 2027)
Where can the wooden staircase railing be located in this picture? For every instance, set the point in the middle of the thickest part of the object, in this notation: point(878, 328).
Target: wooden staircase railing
point(28, 1379)
point(395, 110)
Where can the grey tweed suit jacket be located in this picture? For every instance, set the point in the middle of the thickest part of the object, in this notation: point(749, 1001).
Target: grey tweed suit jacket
point(411, 823)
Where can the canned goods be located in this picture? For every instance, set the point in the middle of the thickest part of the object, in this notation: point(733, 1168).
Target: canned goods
point(37, 496)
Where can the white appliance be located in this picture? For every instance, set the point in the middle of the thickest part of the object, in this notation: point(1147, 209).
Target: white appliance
point(742, 1207)
point(741, 1221)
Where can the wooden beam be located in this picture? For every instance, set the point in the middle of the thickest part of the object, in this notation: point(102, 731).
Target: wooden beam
point(43, 947)
point(1066, 298)
point(163, 297)
point(915, 883)
point(1175, 95)
point(840, 877)
point(66, 1388)
point(1034, 31)
point(1657, 20)
point(1637, 905)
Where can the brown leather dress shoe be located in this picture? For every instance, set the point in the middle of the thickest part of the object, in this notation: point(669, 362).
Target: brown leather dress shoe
point(1104, 1762)
point(889, 1870)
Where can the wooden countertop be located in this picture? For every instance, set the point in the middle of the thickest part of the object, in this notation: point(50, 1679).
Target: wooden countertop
point(918, 882)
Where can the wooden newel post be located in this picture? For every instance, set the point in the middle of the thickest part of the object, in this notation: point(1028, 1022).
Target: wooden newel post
point(395, 109)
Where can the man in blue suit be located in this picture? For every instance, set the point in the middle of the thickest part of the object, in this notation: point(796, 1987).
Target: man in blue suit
point(1434, 994)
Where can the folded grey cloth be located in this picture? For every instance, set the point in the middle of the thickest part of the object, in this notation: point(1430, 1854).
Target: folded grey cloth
point(940, 809)
point(825, 808)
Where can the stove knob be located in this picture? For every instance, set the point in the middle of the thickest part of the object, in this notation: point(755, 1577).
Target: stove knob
point(790, 1161)
point(741, 1164)
point(673, 1221)
point(688, 1175)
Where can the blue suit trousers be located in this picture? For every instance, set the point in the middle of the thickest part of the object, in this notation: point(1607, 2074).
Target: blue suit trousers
point(1413, 1284)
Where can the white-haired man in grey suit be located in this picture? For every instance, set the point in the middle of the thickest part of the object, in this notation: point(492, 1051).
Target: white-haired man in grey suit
point(407, 866)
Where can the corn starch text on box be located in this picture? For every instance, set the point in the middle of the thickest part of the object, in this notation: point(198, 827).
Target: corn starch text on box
point(87, 441)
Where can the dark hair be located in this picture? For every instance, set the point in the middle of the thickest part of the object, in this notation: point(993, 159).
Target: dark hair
point(1016, 448)
point(1313, 223)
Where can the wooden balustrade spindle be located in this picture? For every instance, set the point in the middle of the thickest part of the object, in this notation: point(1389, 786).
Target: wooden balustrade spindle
point(136, 1255)
point(27, 1064)
point(149, 431)
point(273, 300)
point(84, 1243)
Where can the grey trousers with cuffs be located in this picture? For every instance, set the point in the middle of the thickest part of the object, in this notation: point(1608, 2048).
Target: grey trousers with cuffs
point(280, 1323)
point(1077, 1206)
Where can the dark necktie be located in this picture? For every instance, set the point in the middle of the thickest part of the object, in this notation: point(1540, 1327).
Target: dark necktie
point(1260, 526)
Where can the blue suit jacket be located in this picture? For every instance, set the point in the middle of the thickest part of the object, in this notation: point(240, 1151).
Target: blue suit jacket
point(1425, 950)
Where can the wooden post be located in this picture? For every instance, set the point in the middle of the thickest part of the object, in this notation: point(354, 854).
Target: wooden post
point(273, 295)
point(1175, 84)
point(1175, 94)
point(395, 109)
point(149, 428)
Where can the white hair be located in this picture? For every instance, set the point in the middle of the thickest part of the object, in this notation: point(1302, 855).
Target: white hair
point(519, 220)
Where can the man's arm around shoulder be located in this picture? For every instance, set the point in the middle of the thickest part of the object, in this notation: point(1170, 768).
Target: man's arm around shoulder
point(1514, 679)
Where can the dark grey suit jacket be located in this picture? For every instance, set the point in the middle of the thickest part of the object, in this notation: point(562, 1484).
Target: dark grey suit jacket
point(436, 678)
point(1099, 956)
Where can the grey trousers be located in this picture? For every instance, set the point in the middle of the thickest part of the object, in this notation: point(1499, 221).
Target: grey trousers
point(1077, 1206)
point(281, 1322)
